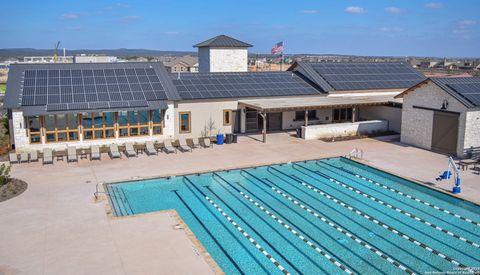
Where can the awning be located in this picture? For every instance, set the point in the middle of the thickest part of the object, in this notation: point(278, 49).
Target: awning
point(42, 110)
point(317, 102)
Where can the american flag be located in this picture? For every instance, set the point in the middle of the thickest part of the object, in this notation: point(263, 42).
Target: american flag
point(278, 48)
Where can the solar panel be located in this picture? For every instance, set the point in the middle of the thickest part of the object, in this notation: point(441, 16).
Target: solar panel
point(84, 88)
point(363, 76)
point(228, 85)
point(470, 91)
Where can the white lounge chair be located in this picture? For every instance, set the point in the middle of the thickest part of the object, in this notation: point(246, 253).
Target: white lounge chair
point(129, 151)
point(34, 155)
point(207, 143)
point(196, 143)
point(47, 156)
point(150, 148)
point(183, 146)
point(13, 157)
point(114, 153)
point(71, 154)
point(94, 152)
point(168, 148)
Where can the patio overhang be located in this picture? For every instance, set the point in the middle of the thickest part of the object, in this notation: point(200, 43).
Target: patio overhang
point(269, 105)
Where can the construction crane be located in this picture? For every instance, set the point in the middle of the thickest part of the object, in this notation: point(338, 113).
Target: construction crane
point(55, 54)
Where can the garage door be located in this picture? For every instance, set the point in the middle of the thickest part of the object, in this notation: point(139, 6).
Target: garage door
point(274, 121)
point(445, 133)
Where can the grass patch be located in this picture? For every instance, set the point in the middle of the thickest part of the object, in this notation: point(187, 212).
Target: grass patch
point(3, 88)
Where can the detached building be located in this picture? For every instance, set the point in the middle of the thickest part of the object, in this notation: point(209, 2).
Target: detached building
point(443, 115)
point(55, 105)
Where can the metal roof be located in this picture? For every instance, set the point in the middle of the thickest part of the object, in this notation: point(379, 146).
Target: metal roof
point(344, 76)
point(241, 85)
point(317, 102)
point(49, 88)
point(464, 89)
point(223, 41)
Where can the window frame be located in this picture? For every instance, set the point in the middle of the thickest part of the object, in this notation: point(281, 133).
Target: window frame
point(40, 130)
point(189, 122)
point(65, 130)
point(312, 115)
point(154, 124)
point(229, 123)
point(344, 115)
point(104, 128)
point(129, 126)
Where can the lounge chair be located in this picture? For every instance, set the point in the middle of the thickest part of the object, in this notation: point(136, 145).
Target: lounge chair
point(183, 146)
point(47, 156)
point(150, 148)
point(207, 143)
point(23, 157)
point(196, 143)
point(167, 147)
point(129, 151)
point(34, 155)
point(114, 153)
point(71, 154)
point(13, 157)
point(94, 152)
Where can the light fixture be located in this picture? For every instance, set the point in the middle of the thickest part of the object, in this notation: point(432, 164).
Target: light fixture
point(444, 104)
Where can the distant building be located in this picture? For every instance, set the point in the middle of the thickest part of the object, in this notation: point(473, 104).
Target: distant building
point(84, 58)
point(47, 59)
point(222, 54)
point(182, 64)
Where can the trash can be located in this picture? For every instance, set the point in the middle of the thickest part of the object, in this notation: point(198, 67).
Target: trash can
point(228, 138)
point(299, 132)
point(220, 139)
point(234, 138)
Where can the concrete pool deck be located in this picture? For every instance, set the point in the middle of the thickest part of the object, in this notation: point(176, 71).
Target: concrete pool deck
point(56, 227)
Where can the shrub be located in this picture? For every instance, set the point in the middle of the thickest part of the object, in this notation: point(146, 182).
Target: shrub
point(4, 173)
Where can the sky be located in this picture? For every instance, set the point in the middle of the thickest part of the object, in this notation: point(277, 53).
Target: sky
point(443, 28)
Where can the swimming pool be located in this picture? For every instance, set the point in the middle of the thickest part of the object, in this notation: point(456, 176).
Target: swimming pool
point(327, 216)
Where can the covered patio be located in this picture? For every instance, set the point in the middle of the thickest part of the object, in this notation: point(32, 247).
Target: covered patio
point(350, 104)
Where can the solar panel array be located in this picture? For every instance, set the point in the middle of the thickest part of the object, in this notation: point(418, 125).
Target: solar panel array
point(235, 85)
point(362, 76)
point(81, 89)
point(470, 91)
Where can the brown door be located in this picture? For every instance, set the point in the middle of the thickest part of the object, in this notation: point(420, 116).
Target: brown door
point(274, 121)
point(445, 133)
point(251, 120)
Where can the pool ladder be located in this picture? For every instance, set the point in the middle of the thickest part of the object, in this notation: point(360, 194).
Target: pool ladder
point(355, 153)
point(98, 191)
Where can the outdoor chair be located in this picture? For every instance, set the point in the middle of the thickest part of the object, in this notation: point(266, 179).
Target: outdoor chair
point(150, 148)
point(71, 154)
point(167, 147)
point(47, 156)
point(23, 157)
point(34, 155)
point(114, 153)
point(129, 151)
point(13, 157)
point(182, 145)
point(207, 143)
point(94, 152)
point(196, 143)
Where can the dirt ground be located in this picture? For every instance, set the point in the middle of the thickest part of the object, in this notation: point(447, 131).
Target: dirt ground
point(12, 189)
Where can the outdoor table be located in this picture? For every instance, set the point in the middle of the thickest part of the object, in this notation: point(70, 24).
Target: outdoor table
point(83, 154)
point(467, 162)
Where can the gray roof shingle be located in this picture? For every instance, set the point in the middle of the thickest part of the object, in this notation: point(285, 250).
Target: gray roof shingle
point(464, 89)
point(223, 41)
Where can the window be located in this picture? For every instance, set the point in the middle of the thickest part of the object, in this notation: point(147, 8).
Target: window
point(34, 129)
point(99, 125)
point(157, 122)
point(227, 117)
point(300, 115)
point(342, 115)
point(133, 123)
point(184, 122)
point(61, 127)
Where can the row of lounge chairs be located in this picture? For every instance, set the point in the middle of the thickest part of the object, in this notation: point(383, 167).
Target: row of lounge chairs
point(114, 152)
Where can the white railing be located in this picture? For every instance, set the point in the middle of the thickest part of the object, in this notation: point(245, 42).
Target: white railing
point(355, 153)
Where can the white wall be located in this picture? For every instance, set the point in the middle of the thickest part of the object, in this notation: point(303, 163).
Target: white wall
point(323, 115)
point(417, 124)
point(344, 129)
point(222, 59)
point(391, 114)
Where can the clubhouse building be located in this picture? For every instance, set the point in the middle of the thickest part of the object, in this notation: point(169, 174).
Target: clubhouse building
point(59, 105)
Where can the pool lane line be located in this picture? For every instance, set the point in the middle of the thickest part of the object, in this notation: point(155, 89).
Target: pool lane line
point(126, 202)
point(253, 229)
point(240, 229)
point(344, 232)
point(394, 208)
point(386, 226)
point(293, 231)
point(119, 203)
point(403, 194)
point(209, 233)
point(269, 225)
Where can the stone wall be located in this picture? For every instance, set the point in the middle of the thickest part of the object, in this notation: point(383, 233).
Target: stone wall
point(222, 60)
point(472, 131)
point(20, 135)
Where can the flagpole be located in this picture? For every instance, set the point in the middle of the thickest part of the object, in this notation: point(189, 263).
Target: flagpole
point(281, 55)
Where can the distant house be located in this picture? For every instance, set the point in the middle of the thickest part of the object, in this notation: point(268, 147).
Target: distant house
point(182, 64)
point(93, 58)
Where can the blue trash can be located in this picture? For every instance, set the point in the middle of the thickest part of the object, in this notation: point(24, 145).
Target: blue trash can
point(220, 139)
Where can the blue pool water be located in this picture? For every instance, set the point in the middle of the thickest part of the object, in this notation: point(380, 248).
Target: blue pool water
point(329, 216)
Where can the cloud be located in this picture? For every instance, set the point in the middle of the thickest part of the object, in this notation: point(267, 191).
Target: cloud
point(433, 5)
point(464, 28)
point(467, 22)
point(172, 32)
point(70, 16)
point(393, 10)
point(310, 11)
point(355, 10)
point(391, 29)
point(129, 19)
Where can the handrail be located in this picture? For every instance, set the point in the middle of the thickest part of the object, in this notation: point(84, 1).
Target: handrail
point(98, 191)
point(355, 153)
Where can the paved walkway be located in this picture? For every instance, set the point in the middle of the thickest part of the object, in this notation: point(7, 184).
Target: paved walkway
point(56, 227)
